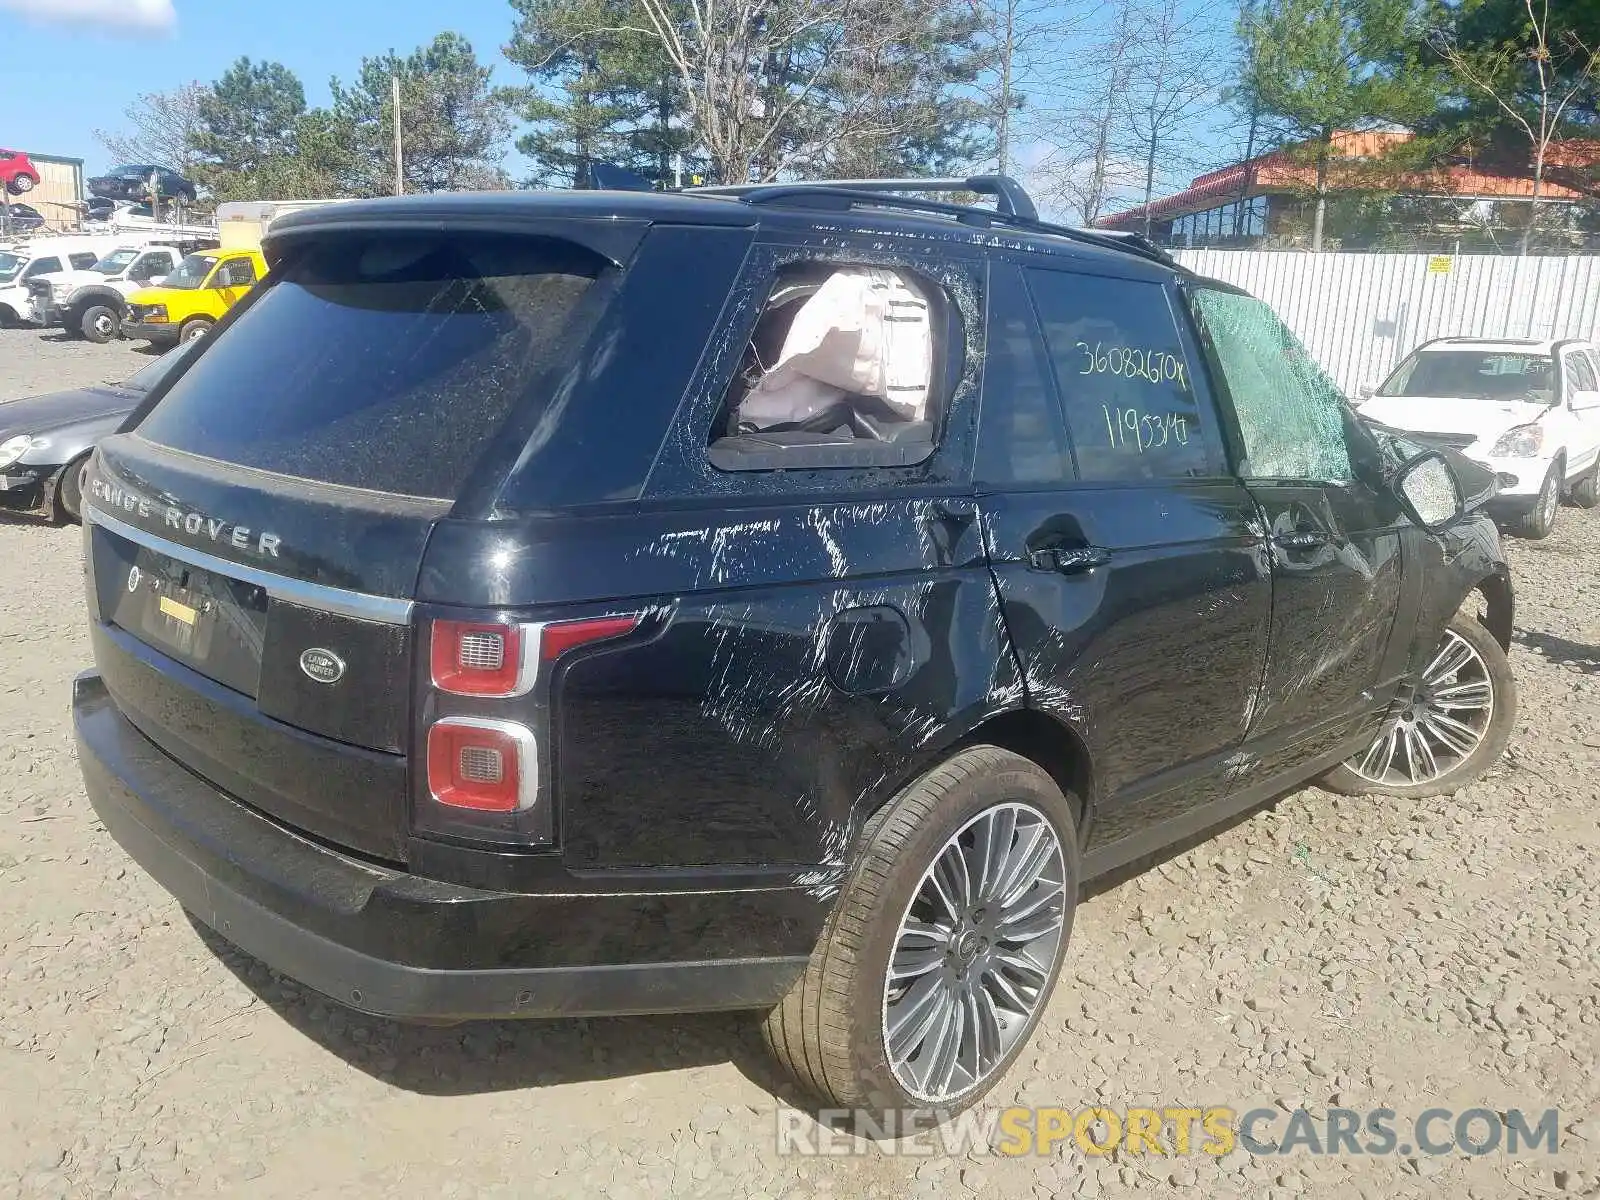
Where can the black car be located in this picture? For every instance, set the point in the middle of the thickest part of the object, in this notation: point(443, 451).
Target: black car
point(136, 181)
point(20, 218)
point(782, 598)
point(45, 441)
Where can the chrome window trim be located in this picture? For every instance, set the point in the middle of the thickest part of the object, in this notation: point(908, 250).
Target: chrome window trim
point(387, 610)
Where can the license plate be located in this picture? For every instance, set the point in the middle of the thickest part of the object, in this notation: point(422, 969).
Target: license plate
point(180, 618)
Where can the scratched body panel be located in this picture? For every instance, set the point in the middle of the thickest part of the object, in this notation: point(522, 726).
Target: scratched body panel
point(1334, 608)
point(1150, 659)
point(752, 728)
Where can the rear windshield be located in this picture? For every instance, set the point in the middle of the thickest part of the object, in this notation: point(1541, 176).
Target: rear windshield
point(383, 362)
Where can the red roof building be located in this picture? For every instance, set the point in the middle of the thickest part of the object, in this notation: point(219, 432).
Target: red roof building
point(1268, 198)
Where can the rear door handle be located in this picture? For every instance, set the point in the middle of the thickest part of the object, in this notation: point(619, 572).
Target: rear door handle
point(1302, 539)
point(1072, 561)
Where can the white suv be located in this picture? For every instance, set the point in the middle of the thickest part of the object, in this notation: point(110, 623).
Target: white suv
point(1528, 410)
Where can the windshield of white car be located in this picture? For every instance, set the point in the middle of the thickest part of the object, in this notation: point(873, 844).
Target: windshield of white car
point(115, 262)
point(10, 264)
point(1475, 375)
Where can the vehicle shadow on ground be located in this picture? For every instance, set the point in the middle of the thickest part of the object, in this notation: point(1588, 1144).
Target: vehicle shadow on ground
point(495, 1056)
point(1559, 650)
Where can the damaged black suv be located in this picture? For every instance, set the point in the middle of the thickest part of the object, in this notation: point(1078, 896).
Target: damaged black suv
point(780, 598)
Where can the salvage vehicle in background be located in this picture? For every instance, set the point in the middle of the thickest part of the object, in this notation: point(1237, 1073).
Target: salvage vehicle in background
point(779, 597)
point(1529, 410)
point(22, 262)
point(187, 303)
point(18, 175)
point(20, 218)
point(93, 302)
point(141, 181)
point(45, 441)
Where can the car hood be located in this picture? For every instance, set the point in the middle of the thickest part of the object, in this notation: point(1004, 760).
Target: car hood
point(57, 410)
point(75, 278)
point(1483, 419)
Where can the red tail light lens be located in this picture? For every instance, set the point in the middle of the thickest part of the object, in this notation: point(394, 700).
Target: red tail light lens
point(556, 639)
point(470, 658)
point(473, 659)
point(487, 766)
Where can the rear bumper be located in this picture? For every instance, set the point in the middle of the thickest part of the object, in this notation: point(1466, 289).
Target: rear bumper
point(394, 944)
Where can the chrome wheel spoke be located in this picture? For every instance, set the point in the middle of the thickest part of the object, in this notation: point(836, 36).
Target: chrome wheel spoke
point(921, 949)
point(1464, 697)
point(920, 1009)
point(975, 952)
point(1452, 656)
point(1420, 755)
point(1036, 923)
point(1011, 997)
point(1461, 739)
point(944, 1044)
point(1381, 756)
point(1032, 854)
point(1445, 720)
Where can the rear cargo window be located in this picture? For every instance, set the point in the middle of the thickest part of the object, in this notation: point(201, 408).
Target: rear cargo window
point(385, 363)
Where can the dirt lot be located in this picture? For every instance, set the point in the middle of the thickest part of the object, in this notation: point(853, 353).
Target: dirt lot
point(1364, 953)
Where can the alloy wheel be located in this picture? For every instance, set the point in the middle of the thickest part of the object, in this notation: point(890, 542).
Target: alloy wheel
point(1444, 723)
point(975, 952)
point(1549, 499)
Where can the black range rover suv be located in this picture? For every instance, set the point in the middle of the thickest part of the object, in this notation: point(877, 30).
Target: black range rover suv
point(555, 604)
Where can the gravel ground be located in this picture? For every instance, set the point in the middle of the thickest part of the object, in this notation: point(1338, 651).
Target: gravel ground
point(1328, 951)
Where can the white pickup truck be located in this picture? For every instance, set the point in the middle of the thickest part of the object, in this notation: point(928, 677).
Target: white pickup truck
point(27, 259)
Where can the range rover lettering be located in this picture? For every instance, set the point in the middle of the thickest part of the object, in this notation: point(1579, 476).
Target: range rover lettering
point(778, 598)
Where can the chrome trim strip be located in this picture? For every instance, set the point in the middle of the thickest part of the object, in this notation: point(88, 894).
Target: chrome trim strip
point(387, 610)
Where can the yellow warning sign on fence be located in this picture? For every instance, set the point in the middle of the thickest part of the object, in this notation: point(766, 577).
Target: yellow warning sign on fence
point(1439, 264)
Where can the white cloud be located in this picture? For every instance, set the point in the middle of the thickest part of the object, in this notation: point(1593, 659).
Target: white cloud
point(140, 16)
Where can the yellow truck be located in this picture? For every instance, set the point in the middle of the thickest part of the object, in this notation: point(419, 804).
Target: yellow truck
point(187, 303)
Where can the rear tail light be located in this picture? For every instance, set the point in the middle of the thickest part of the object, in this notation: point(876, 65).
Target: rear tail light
point(484, 769)
point(499, 661)
point(472, 659)
point(483, 765)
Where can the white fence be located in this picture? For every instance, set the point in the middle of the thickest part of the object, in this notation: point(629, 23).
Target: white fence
point(1361, 313)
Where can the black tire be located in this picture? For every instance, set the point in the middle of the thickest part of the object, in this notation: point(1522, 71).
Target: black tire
point(829, 1030)
point(69, 492)
point(1586, 492)
point(1535, 524)
point(22, 185)
point(8, 317)
point(1502, 717)
point(100, 323)
point(194, 328)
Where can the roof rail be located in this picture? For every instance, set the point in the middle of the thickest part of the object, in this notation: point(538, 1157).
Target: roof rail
point(1011, 198)
point(844, 194)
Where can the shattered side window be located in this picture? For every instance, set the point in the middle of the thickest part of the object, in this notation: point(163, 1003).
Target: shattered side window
point(1290, 413)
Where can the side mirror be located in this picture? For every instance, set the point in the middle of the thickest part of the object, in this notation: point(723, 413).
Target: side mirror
point(1429, 492)
point(156, 280)
point(1583, 401)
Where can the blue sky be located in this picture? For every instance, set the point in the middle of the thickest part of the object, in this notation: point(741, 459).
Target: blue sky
point(76, 70)
point(73, 66)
